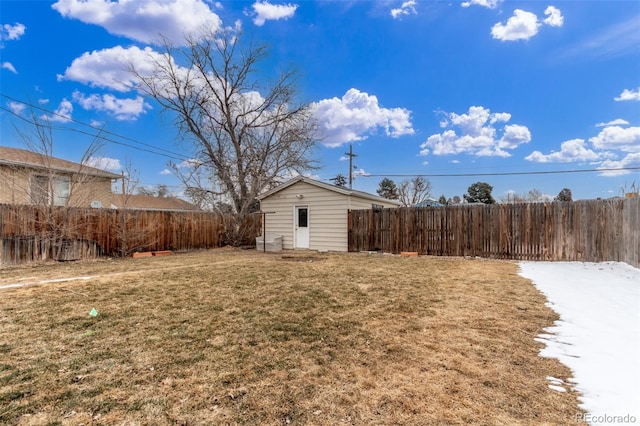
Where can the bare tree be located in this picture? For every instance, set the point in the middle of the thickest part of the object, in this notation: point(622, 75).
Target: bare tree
point(414, 191)
point(132, 235)
point(533, 196)
point(52, 190)
point(160, 191)
point(246, 132)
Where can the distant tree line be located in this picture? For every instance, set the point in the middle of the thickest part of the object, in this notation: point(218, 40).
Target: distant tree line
point(418, 190)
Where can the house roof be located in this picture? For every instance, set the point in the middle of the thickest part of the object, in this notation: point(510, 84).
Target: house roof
point(327, 186)
point(429, 202)
point(22, 158)
point(147, 202)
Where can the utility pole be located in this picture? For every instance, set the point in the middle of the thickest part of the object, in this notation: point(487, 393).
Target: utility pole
point(350, 154)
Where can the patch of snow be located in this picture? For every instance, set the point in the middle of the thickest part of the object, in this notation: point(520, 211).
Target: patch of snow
point(598, 334)
point(557, 388)
point(556, 384)
point(56, 280)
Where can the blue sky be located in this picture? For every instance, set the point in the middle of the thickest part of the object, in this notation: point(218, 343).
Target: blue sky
point(461, 92)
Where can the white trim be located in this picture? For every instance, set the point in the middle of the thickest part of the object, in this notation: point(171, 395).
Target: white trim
point(295, 223)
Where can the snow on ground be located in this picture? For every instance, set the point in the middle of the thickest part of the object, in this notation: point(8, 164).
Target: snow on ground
point(597, 336)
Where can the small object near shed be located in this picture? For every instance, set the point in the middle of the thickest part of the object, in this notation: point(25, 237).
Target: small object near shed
point(309, 214)
point(273, 242)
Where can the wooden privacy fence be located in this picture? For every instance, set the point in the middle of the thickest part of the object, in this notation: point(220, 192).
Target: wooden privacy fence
point(31, 233)
point(595, 230)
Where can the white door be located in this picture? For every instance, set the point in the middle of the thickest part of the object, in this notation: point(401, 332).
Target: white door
point(301, 226)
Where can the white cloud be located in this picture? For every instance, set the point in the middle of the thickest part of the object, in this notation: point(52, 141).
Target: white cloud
point(357, 115)
point(9, 66)
point(523, 25)
point(619, 138)
point(12, 32)
point(610, 139)
point(630, 160)
point(616, 122)
point(513, 136)
point(62, 114)
point(122, 109)
point(104, 163)
point(407, 8)
point(107, 68)
point(190, 163)
point(573, 150)
point(361, 173)
point(618, 39)
point(628, 95)
point(554, 17)
point(166, 172)
point(478, 134)
point(266, 11)
point(43, 101)
point(17, 107)
point(143, 20)
point(491, 4)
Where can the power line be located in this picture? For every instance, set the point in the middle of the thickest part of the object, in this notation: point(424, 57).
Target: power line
point(177, 156)
point(149, 148)
point(547, 172)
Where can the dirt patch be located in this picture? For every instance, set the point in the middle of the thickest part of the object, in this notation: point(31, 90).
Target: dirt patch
point(241, 337)
point(303, 258)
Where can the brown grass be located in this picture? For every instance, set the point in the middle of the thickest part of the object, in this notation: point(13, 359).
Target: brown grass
point(239, 337)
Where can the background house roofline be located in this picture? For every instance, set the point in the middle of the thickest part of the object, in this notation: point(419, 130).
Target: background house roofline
point(15, 157)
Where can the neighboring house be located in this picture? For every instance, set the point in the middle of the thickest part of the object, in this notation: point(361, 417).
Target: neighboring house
point(147, 202)
point(314, 215)
point(32, 178)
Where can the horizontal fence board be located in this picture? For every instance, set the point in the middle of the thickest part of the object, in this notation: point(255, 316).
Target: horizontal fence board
point(31, 233)
point(589, 231)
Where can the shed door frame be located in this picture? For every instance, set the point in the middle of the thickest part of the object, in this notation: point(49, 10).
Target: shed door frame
point(301, 233)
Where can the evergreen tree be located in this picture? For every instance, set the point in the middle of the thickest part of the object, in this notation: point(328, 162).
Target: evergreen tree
point(564, 195)
point(388, 189)
point(340, 180)
point(479, 192)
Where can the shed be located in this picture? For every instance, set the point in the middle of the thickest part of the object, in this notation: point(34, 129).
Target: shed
point(310, 214)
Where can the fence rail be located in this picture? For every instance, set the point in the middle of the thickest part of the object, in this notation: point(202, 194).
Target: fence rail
point(31, 233)
point(595, 230)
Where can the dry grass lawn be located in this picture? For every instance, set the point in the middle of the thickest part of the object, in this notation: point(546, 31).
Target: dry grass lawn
point(241, 337)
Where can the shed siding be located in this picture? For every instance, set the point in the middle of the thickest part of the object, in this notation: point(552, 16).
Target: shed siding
point(327, 215)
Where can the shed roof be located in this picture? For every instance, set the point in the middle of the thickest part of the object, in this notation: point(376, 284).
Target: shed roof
point(16, 157)
point(329, 187)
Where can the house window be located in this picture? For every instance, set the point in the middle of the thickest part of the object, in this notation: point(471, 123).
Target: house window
point(50, 190)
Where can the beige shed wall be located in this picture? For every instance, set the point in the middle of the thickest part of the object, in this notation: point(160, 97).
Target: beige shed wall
point(327, 215)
